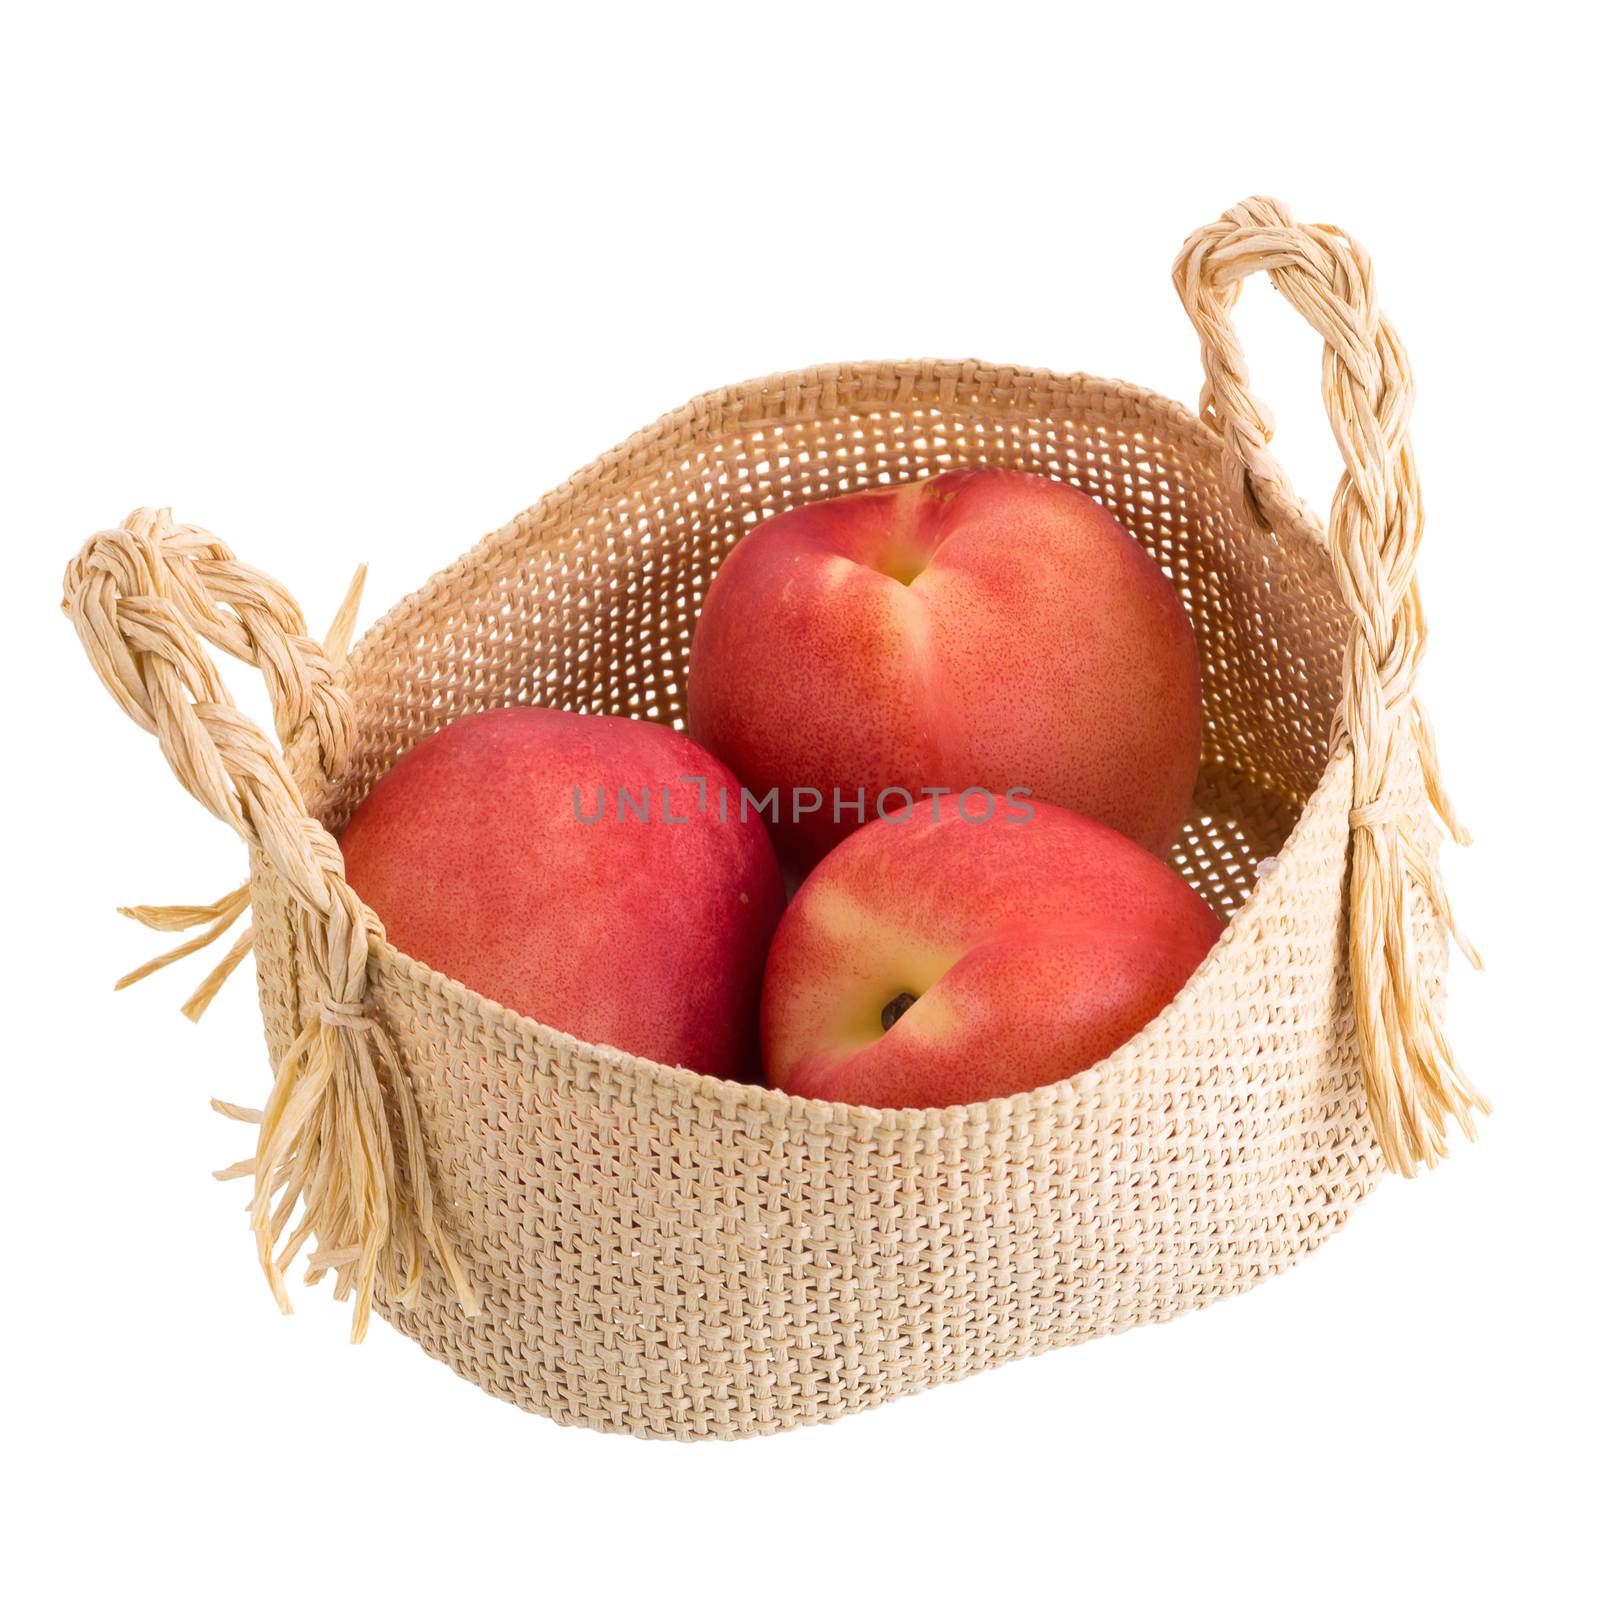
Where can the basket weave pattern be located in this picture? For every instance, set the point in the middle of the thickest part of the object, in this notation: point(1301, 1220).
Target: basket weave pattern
point(662, 1252)
point(634, 1247)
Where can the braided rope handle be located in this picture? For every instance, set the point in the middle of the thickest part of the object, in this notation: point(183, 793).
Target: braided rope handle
point(339, 1136)
point(1374, 531)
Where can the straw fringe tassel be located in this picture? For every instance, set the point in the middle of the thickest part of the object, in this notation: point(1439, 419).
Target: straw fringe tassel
point(325, 1140)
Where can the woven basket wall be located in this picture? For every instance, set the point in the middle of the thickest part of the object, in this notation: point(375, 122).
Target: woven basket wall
point(675, 1256)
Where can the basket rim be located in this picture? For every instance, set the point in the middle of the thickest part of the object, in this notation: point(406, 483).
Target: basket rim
point(835, 389)
point(751, 404)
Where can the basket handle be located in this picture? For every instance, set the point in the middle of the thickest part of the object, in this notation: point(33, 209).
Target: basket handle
point(339, 1135)
point(1374, 529)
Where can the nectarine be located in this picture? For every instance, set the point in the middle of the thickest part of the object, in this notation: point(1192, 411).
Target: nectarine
point(983, 628)
point(932, 961)
point(575, 868)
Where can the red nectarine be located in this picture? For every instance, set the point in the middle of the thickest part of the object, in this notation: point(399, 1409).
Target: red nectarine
point(932, 961)
point(576, 869)
point(983, 628)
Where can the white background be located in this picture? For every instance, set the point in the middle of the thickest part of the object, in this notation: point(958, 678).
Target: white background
point(347, 285)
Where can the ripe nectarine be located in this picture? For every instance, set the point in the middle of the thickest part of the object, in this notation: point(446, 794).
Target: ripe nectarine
point(932, 961)
point(983, 628)
point(575, 868)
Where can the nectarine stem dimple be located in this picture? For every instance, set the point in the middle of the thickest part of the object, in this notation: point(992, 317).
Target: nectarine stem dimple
point(904, 568)
point(897, 1008)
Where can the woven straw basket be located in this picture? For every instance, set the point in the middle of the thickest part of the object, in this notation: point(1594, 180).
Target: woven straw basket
point(633, 1247)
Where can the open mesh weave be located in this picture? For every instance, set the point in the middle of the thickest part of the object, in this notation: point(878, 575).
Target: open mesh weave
point(671, 1255)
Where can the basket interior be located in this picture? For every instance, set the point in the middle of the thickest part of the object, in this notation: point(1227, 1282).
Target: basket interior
point(588, 600)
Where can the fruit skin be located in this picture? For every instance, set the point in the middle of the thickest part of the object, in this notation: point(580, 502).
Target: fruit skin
point(1035, 948)
point(647, 936)
point(982, 628)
